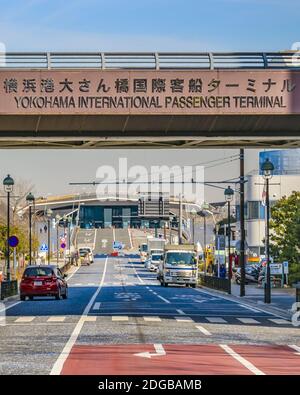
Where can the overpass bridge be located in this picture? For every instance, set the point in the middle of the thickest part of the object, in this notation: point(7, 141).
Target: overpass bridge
point(150, 100)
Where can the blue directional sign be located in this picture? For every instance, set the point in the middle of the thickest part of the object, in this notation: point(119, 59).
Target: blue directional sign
point(44, 247)
point(117, 245)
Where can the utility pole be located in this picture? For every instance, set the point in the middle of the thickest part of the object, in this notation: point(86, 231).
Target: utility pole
point(180, 221)
point(242, 222)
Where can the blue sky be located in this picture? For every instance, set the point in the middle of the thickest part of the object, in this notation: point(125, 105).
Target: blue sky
point(149, 25)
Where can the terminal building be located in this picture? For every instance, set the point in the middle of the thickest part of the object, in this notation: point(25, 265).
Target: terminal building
point(285, 180)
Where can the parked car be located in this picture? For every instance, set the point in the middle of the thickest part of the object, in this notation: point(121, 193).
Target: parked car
point(45, 280)
point(83, 251)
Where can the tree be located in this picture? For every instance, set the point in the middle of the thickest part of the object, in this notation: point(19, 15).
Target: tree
point(285, 233)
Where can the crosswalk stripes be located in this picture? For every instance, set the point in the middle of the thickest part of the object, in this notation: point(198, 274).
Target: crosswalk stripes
point(279, 321)
point(184, 319)
point(180, 319)
point(25, 319)
point(56, 319)
point(119, 318)
point(248, 320)
point(216, 320)
point(152, 319)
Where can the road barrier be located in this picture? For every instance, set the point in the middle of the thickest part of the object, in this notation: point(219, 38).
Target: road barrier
point(218, 283)
point(8, 288)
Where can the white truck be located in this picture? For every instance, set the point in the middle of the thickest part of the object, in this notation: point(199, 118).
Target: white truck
point(179, 265)
point(155, 252)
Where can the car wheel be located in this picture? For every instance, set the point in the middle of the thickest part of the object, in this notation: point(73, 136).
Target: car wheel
point(22, 297)
point(58, 295)
point(166, 284)
point(30, 297)
point(65, 295)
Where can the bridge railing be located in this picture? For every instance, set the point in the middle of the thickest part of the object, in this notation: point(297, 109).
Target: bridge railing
point(150, 60)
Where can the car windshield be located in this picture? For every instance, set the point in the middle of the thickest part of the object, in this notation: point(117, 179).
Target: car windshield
point(39, 272)
point(144, 247)
point(83, 252)
point(180, 258)
point(156, 257)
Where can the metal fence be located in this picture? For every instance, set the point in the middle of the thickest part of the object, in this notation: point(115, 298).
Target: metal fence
point(8, 288)
point(220, 284)
point(151, 60)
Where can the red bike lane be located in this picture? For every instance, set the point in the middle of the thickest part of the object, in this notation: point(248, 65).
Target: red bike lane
point(176, 359)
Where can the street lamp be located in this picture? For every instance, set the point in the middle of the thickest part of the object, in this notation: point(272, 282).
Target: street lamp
point(30, 199)
point(229, 192)
point(49, 213)
point(68, 221)
point(267, 169)
point(8, 183)
point(58, 218)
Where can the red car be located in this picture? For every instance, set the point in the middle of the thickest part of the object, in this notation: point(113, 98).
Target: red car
point(43, 281)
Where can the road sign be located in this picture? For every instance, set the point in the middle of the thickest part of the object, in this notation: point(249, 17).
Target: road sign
point(63, 245)
point(286, 267)
point(117, 245)
point(13, 241)
point(276, 268)
point(44, 247)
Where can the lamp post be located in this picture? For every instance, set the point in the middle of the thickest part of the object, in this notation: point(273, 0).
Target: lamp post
point(30, 199)
point(58, 218)
point(8, 183)
point(229, 192)
point(49, 213)
point(267, 169)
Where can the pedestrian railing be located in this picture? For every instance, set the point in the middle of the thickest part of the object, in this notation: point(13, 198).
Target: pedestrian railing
point(8, 288)
point(151, 60)
point(218, 283)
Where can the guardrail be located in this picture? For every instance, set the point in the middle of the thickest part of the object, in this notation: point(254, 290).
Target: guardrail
point(220, 284)
point(151, 60)
point(8, 288)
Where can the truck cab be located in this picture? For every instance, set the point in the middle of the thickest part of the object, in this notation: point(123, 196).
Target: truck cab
point(179, 266)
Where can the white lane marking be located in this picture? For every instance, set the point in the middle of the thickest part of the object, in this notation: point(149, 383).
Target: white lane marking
point(241, 360)
point(216, 320)
point(152, 319)
point(160, 351)
point(296, 348)
point(184, 319)
point(162, 298)
point(57, 367)
point(90, 318)
point(180, 312)
point(249, 308)
point(248, 320)
point(279, 321)
point(91, 284)
point(203, 330)
point(119, 318)
point(234, 301)
point(10, 306)
point(72, 274)
point(97, 306)
point(56, 319)
point(25, 319)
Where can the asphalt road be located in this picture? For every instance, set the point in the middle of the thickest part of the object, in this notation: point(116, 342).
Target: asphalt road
point(119, 320)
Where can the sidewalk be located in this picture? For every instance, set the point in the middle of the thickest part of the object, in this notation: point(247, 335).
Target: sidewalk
point(282, 299)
